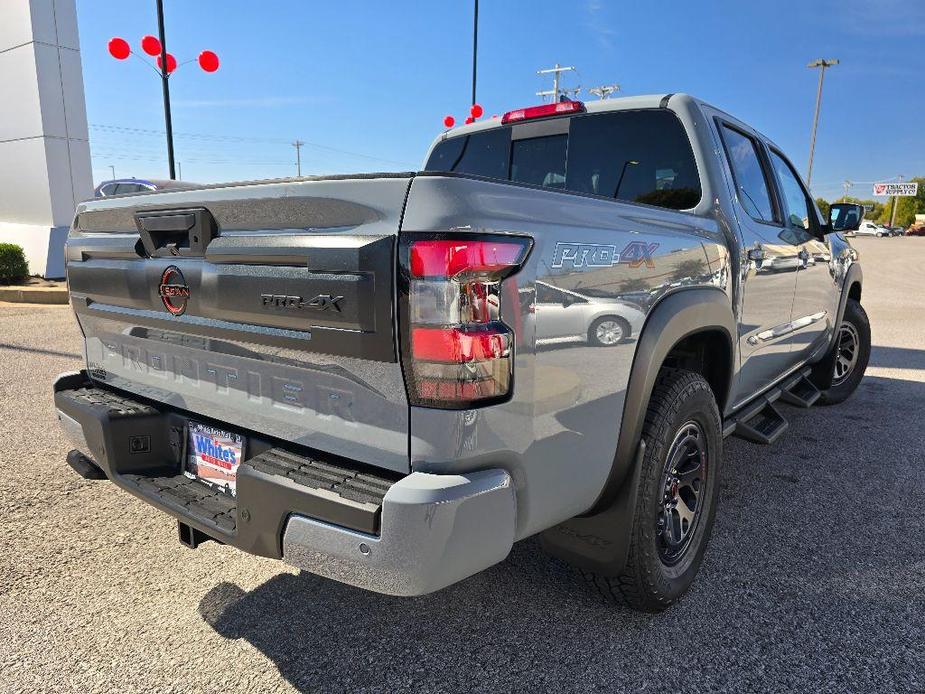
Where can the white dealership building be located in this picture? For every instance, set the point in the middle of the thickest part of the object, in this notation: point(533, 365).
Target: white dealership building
point(44, 146)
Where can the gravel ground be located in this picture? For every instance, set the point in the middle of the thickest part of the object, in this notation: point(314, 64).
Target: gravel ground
point(813, 581)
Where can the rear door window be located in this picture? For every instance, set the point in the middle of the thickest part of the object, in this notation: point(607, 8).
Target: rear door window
point(637, 156)
point(751, 184)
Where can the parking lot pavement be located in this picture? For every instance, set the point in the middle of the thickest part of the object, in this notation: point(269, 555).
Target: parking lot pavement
point(814, 580)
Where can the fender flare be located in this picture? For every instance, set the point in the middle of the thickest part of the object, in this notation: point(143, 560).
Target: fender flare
point(824, 369)
point(674, 318)
point(854, 275)
point(599, 539)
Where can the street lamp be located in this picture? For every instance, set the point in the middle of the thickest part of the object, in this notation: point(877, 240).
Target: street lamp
point(822, 64)
point(157, 47)
point(628, 162)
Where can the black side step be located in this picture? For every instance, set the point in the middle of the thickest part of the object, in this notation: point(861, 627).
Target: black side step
point(761, 423)
point(799, 391)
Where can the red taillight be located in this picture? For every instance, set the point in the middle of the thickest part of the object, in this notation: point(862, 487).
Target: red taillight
point(446, 259)
point(458, 353)
point(560, 108)
point(458, 345)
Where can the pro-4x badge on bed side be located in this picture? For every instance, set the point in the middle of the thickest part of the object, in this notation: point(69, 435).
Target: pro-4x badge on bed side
point(597, 255)
point(174, 290)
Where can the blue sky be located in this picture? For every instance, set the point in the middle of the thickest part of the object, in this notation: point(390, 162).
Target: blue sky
point(366, 84)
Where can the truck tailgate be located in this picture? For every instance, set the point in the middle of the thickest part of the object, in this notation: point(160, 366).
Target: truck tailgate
point(265, 306)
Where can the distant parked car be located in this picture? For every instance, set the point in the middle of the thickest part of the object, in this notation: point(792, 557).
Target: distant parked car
point(916, 230)
point(564, 316)
point(126, 186)
point(869, 228)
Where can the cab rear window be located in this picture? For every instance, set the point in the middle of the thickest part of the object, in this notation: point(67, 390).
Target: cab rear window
point(636, 156)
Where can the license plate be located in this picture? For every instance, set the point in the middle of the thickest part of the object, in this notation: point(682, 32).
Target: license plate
point(214, 456)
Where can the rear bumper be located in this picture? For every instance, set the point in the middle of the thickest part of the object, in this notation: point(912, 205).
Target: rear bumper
point(407, 536)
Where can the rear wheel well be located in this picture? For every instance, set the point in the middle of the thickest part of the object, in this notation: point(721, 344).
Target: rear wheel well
point(709, 354)
point(854, 291)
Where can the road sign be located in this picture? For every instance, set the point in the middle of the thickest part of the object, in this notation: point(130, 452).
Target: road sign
point(900, 189)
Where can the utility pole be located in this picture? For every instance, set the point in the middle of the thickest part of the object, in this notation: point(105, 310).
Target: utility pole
point(555, 72)
point(846, 185)
point(822, 64)
point(165, 75)
point(298, 156)
point(475, 47)
point(113, 171)
point(605, 90)
point(893, 211)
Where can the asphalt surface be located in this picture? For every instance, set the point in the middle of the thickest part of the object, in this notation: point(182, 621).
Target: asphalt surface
point(814, 579)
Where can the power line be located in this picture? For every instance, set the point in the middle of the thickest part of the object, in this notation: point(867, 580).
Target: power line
point(240, 138)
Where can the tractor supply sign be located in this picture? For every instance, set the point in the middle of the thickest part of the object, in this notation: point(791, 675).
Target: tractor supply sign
point(900, 189)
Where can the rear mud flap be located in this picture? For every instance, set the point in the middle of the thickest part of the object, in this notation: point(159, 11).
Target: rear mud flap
point(601, 542)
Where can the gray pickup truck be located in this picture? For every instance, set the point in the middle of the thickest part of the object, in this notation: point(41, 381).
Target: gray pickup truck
point(388, 379)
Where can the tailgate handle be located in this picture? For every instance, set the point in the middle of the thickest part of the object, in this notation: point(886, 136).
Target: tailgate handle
point(176, 232)
point(168, 222)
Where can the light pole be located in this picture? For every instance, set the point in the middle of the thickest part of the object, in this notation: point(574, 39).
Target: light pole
point(628, 162)
point(475, 47)
point(822, 64)
point(166, 64)
point(605, 90)
point(164, 70)
point(893, 207)
point(113, 171)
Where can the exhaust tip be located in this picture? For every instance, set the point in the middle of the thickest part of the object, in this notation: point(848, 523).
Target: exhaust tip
point(84, 466)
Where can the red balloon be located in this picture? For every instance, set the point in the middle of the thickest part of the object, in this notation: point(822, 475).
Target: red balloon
point(449, 121)
point(119, 48)
point(476, 111)
point(150, 45)
point(171, 63)
point(208, 61)
point(470, 120)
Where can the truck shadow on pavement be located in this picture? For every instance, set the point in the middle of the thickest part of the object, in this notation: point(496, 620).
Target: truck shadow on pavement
point(816, 587)
point(897, 357)
point(327, 636)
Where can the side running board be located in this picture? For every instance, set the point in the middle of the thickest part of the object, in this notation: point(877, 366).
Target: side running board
point(761, 422)
point(799, 391)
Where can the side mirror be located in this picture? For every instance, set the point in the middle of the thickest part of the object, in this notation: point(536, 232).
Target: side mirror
point(845, 216)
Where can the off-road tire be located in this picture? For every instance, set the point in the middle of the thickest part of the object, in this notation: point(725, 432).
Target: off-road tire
point(647, 583)
point(855, 317)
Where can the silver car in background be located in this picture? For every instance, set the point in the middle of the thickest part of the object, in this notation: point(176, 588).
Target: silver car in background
point(563, 315)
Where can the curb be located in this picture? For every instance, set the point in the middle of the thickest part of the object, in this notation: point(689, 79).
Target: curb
point(34, 295)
